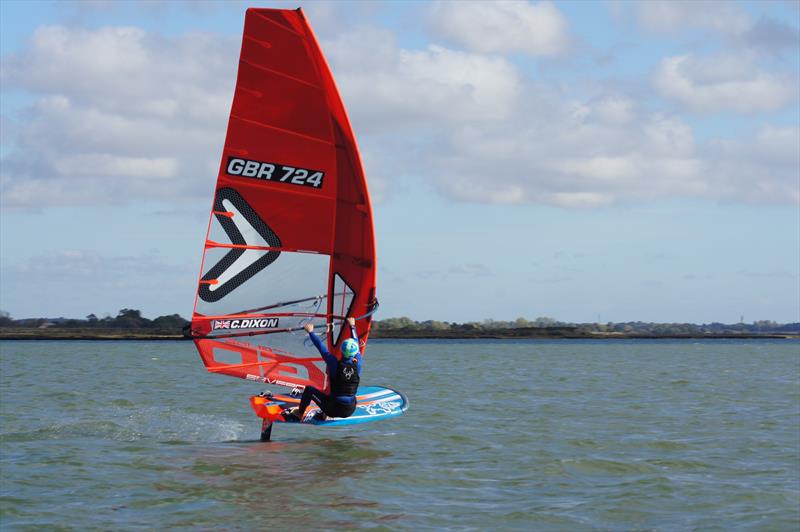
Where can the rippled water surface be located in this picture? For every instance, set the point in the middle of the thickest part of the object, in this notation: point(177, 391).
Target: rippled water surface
point(519, 435)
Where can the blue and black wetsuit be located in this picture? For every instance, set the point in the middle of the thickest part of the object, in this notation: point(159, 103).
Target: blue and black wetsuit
point(332, 405)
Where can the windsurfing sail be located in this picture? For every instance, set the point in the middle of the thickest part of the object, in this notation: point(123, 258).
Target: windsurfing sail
point(290, 238)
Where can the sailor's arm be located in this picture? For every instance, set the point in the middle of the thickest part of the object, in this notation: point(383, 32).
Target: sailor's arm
point(309, 327)
point(354, 335)
point(352, 322)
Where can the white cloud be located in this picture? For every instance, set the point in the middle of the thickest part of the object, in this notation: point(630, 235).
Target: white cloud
point(126, 70)
point(772, 36)
point(728, 20)
point(510, 140)
point(121, 114)
point(572, 157)
point(409, 88)
point(537, 29)
point(150, 123)
point(722, 83)
point(761, 169)
point(678, 15)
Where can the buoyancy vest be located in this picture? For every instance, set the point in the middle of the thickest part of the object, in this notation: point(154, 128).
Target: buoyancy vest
point(345, 382)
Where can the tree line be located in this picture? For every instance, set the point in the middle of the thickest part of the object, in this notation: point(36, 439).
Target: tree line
point(631, 327)
point(125, 319)
point(133, 319)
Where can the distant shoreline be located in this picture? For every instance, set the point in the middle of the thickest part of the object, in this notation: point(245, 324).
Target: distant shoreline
point(54, 333)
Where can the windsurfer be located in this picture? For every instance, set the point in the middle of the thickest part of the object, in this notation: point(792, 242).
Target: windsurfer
point(344, 377)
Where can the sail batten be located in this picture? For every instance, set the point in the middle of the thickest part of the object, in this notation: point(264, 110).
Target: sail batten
point(279, 73)
point(258, 14)
point(282, 130)
point(291, 236)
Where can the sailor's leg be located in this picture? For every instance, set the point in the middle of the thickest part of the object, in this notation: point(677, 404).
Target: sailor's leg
point(334, 408)
point(309, 394)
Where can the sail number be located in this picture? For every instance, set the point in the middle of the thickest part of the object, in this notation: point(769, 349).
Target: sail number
point(274, 172)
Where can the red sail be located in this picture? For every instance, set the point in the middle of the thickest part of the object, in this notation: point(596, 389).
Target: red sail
point(290, 239)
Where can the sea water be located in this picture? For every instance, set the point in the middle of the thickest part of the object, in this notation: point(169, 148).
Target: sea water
point(500, 435)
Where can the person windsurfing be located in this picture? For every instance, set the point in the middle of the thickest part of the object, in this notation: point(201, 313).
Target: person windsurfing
point(344, 377)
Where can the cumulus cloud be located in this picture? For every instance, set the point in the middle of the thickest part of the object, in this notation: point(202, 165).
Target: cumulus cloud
point(146, 119)
point(771, 36)
point(573, 155)
point(536, 29)
point(759, 169)
point(512, 140)
point(678, 15)
point(410, 88)
point(722, 18)
point(723, 83)
point(748, 74)
point(121, 114)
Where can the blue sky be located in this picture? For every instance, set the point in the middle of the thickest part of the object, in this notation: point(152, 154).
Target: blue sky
point(586, 161)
